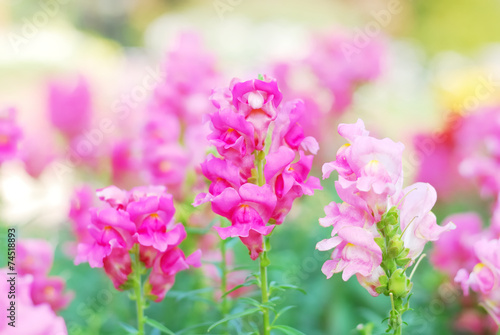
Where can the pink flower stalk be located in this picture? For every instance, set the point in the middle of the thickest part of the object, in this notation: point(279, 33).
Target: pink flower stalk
point(174, 137)
point(70, 109)
point(370, 179)
point(10, 134)
point(141, 218)
point(484, 277)
point(249, 193)
point(42, 318)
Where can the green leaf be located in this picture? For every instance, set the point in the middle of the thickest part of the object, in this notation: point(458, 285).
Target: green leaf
point(159, 326)
point(288, 330)
point(282, 311)
point(248, 283)
point(232, 317)
point(129, 329)
point(183, 331)
point(251, 301)
point(274, 286)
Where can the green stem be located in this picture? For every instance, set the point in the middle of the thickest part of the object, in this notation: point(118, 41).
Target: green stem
point(225, 302)
point(263, 262)
point(138, 291)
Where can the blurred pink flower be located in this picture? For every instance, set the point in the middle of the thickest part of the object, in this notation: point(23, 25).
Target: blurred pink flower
point(79, 214)
point(41, 317)
point(70, 108)
point(454, 250)
point(51, 291)
point(10, 134)
point(34, 257)
point(484, 277)
point(340, 66)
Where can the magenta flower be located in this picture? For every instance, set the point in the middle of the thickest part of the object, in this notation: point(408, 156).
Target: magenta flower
point(243, 189)
point(289, 179)
point(79, 214)
point(118, 266)
point(141, 218)
point(70, 109)
point(165, 267)
point(51, 291)
point(10, 134)
point(248, 209)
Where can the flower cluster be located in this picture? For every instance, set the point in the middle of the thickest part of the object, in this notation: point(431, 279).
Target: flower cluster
point(139, 222)
point(261, 171)
point(366, 225)
point(38, 296)
point(10, 134)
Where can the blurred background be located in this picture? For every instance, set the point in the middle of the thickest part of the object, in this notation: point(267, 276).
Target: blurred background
point(416, 66)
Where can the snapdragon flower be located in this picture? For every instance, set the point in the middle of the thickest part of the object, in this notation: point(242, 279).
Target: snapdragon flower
point(243, 189)
point(141, 219)
point(381, 228)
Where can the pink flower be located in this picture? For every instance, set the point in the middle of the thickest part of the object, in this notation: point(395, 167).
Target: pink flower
point(79, 214)
point(110, 228)
point(34, 257)
point(10, 134)
point(166, 266)
point(142, 218)
point(370, 170)
point(249, 210)
point(70, 108)
point(485, 275)
point(355, 252)
point(417, 221)
point(50, 291)
point(454, 250)
point(340, 66)
point(118, 266)
point(289, 179)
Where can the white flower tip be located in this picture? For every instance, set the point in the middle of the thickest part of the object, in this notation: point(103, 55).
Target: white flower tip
point(255, 100)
